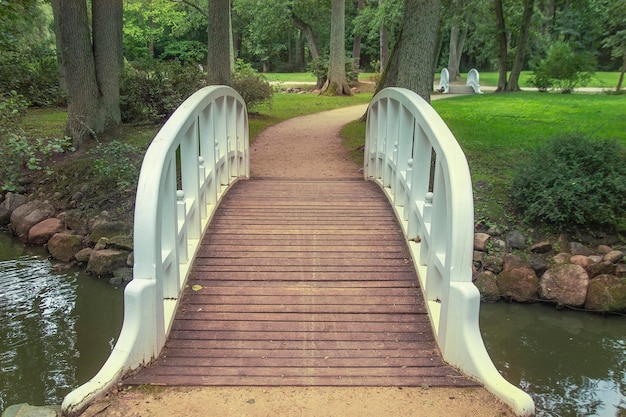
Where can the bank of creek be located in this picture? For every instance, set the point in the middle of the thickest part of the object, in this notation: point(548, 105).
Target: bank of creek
point(58, 324)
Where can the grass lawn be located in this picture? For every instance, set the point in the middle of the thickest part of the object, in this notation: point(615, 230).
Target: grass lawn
point(496, 130)
point(600, 79)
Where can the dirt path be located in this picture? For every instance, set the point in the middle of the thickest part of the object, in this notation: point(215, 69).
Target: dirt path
point(304, 147)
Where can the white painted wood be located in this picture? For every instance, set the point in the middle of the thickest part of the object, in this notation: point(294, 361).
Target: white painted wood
point(473, 80)
point(199, 153)
point(444, 81)
point(427, 180)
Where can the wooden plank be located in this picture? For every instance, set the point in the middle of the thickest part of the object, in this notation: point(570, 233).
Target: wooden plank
point(302, 283)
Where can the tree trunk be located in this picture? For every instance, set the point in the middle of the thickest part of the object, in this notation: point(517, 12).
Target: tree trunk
point(90, 70)
point(453, 67)
point(336, 83)
point(107, 48)
point(411, 62)
point(502, 53)
point(356, 48)
point(621, 74)
point(310, 37)
point(513, 84)
point(219, 61)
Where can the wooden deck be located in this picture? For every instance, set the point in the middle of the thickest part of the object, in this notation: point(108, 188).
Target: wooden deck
point(302, 283)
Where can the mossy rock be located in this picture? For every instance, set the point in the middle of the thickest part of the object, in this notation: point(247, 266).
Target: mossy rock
point(606, 293)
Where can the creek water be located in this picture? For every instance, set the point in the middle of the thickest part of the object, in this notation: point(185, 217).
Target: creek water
point(57, 328)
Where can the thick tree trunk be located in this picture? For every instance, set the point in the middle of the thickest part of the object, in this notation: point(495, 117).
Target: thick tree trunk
point(502, 52)
point(356, 47)
point(411, 62)
point(453, 67)
point(513, 84)
point(107, 48)
point(93, 103)
point(336, 83)
point(219, 45)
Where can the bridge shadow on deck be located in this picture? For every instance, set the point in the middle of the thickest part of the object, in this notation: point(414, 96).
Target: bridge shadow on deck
point(302, 283)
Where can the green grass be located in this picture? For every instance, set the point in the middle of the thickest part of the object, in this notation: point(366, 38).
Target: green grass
point(599, 80)
point(496, 130)
point(305, 77)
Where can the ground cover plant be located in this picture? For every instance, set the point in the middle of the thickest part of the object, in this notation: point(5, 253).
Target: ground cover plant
point(497, 131)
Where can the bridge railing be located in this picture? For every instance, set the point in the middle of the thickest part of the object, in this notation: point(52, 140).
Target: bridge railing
point(444, 81)
point(198, 154)
point(473, 80)
point(413, 156)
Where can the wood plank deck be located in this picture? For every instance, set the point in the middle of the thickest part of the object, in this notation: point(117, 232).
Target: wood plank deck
point(302, 283)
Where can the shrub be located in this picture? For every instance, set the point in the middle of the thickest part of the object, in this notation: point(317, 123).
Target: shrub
point(563, 69)
point(152, 93)
point(117, 160)
point(253, 87)
point(319, 69)
point(572, 181)
point(32, 74)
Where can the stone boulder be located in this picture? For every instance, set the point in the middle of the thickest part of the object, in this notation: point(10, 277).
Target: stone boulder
point(27, 215)
point(493, 264)
point(40, 233)
point(83, 255)
point(566, 284)
point(103, 263)
point(109, 230)
point(518, 280)
point(480, 241)
point(64, 246)
point(515, 240)
point(122, 242)
point(606, 293)
point(487, 284)
point(601, 268)
point(578, 248)
point(613, 256)
point(10, 203)
point(75, 220)
point(538, 264)
point(541, 247)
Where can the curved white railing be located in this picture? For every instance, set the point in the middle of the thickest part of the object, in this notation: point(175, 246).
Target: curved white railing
point(413, 156)
point(444, 81)
point(198, 154)
point(473, 80)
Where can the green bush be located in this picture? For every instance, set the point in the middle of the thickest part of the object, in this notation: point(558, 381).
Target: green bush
point(253, 87)
point(319, 69)
point(151, 93)
point(563, 69)
point(32, 74)
point(572, 181)
point(117, 160)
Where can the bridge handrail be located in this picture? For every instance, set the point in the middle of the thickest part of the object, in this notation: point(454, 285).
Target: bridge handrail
point(473, 80)
point(413, 156)
point(444, 81)
point(197, 155)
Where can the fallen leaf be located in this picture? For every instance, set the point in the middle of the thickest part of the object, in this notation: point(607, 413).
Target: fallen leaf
point(196, 287)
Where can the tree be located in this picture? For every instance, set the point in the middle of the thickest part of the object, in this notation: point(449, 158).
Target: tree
point(512, 84)
point(411, 62)
point(336, 83)
point(616, 40)
point(90, 58)
point(356, 46)
point(219, 61)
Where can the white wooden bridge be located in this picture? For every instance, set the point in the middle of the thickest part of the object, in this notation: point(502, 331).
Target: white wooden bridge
point(261, 282)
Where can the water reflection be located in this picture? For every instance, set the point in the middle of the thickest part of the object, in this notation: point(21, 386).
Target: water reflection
point(55, 327)
point(572, 363)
